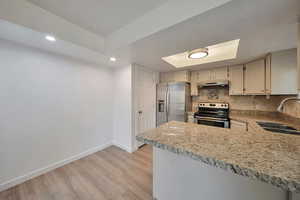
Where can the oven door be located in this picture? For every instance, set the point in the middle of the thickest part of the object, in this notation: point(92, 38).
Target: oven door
point(213, 122)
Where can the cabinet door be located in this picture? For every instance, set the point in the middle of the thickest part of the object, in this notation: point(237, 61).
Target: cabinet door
point(166, 77)
point(163, 77)
point(194, 86)
point(182, 76)
point(219, 73)
point(171, 76)
point(236, 80)
point(194, 89)
point(284, 72)
point(255, 78)
point(203, 75)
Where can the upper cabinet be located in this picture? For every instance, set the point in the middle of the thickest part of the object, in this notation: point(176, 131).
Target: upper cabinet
point(220, 73)
point(282, 73)
point(205, 76)
point(236, 80)
point(178, 76)
point(210, 75)
point(276, 74)
point(255, 78)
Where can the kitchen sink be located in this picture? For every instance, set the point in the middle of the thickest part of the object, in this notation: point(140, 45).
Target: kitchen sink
point(278, 128)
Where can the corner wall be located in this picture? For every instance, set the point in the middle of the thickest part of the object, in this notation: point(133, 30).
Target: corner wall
point(122, 90)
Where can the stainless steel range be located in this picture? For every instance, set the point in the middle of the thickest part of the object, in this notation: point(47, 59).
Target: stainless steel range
point(213, 114)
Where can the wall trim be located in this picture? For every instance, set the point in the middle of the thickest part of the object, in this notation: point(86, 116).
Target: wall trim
point(129, 150)
point(21, 179)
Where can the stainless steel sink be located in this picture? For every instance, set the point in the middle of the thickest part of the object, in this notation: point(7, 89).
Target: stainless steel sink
point(278, 128)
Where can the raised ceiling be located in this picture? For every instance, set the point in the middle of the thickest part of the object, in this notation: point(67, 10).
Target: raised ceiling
point(99, 16)
point(215, 53)
point(142, 32)
point(262, 25)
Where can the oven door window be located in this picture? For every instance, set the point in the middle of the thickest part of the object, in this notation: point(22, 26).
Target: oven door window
point(211, 123)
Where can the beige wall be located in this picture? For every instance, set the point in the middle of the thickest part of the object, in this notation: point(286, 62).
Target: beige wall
point(259, 103)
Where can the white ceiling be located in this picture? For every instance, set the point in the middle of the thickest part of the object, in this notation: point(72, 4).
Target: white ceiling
point(25, 36)
point(143, 31)
point(262, 25)
point(99, 16)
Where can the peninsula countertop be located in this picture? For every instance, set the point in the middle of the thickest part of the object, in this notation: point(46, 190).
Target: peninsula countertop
point(269, 157)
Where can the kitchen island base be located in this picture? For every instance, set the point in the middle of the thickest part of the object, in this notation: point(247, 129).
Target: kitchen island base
point(178, 177)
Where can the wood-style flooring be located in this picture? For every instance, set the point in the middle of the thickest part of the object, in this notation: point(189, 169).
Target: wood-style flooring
point(111, 174)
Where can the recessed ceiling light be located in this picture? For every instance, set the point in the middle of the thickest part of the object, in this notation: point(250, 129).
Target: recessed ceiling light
point(113, 59)
point(50, 38)
point(198, 53)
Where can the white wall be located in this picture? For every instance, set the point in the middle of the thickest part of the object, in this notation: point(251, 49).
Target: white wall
point(123, 108)
point(52, 109)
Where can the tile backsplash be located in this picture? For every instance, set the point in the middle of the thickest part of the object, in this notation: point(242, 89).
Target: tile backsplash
point(292, 108)
point(255, 103)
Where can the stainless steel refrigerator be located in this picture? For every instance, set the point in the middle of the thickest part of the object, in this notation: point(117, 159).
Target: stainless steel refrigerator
point(173, 102)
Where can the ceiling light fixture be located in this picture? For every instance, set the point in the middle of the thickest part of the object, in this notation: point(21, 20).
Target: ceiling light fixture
point(50, 38)
point(113, 59)
point(198, 53)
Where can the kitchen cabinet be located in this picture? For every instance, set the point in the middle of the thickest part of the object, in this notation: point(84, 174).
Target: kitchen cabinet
point(203, 75)
point(182, 76)
point(238, 125)
point(194, 84)
point(219, 73)
point(166, 77)
point(255, 78)
point(236, 80)
point(211, 75)
point(178, 76)
point(276, 74)
point(281, 73)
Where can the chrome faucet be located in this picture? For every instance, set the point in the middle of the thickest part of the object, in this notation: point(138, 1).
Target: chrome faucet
point(280, 107)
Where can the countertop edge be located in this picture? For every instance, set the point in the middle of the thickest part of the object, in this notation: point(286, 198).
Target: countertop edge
point(235, 169)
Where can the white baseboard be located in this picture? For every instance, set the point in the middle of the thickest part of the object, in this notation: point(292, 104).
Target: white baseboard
point(21, 179)
point(122, 147)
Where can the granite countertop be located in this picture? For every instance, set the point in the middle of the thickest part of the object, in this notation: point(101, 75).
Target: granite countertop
point(269, 157)
point(252, 125)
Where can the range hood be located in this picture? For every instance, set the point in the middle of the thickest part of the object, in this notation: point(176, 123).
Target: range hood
point(221, 83)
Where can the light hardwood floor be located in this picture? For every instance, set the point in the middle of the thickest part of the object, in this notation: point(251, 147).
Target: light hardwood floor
point(111, 174)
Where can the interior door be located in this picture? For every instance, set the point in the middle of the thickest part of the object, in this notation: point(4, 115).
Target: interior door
point(145, 95)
